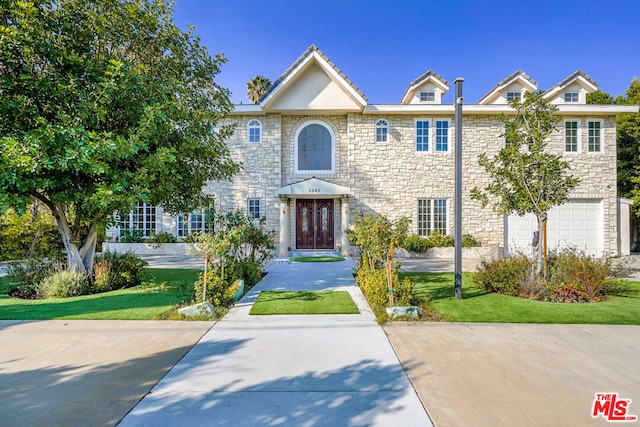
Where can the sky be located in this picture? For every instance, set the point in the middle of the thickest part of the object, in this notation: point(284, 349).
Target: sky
point(383, 45)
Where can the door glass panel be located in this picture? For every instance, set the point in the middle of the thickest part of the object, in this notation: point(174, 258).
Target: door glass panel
point(305, 219)
point(325, 219)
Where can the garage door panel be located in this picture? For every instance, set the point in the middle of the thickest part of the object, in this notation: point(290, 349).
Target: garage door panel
point(576, 224)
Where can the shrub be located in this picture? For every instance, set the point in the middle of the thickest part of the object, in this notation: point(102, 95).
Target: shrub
point(468, 241)
point(567, 293)
point(438, 239)
point(504, 276)
point(113, 270)
point(374, 287)
point(416, 244)
point(571, 269)
point(162, 237)
point(34, 270)
point(219, 293)
point(131, 236)
point(33, 234)
point(62, 284)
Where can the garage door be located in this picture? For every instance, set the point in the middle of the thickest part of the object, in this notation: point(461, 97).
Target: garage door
point(576, 224)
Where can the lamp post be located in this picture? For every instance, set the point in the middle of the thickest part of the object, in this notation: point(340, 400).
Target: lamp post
point(458, 191)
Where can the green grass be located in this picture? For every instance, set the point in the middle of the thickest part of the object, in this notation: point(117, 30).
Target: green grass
point(317, 259)
point(146, 302)
point(306, 302)
point(435, 290)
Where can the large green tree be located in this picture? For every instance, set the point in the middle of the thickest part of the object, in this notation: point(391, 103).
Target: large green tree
point(525, 178)
point(103, 104)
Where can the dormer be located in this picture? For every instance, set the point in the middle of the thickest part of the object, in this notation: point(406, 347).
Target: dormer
point(572, 90)
point(514, 86)
point(426, 89)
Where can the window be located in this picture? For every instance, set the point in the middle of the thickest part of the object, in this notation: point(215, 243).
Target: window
point(571, 141)
point(422, 135)
point(314, 150)
point(442, 135)
point(382, 131)
point(142, 218)
point(594, 130)
point(432, 129)
point(253, 208)
point(571, 97)
point(428, 96)
point(254, 131)
point(511, 95)
point(200, 220)
point(432, 216)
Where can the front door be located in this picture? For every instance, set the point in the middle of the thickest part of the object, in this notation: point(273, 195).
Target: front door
point(314, 224)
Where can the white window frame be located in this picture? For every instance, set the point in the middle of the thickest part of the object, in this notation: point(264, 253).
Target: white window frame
point(333, 149)
point(600, 136)
point(252, 125)
point(571, 97)
point(382, 131)
point(252, 202)
point(185, 228)
point(143, 214)
point(513, 94)
point(432, 135)
point(428, 219)
point(577, 136)
point(427, 96)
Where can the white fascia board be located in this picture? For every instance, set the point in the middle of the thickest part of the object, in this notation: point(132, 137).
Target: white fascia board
point(493, 109)
point(243, 109)
point(596, 109)
point(409, 109)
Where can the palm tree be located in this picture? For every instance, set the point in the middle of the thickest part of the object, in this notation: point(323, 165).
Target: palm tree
point(256, 87)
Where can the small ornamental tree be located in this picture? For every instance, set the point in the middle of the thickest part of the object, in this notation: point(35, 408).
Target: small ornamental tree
point(104, 104)
point(525, 178)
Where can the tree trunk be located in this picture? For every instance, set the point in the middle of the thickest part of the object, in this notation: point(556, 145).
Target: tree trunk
point(390, 279)
point(80, 260)
point(542, 245)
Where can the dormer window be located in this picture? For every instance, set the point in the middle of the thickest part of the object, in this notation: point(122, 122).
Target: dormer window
point(511, 95)
point(427, 96)
point(571, 97)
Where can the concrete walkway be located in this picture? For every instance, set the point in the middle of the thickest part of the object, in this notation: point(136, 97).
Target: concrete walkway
point(318, 370)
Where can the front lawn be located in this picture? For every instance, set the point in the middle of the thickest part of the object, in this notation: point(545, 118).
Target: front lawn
point(435, 290)
point(165, 288)
point(304, 302)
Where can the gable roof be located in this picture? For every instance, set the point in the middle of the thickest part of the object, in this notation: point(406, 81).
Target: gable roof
point(313, 55)
point(518, 75)
point(577, 76)
point(414, 85)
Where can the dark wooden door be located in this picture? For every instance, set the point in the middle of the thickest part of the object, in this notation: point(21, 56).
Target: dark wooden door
point(304, 224)
point(324, 224)
point(314, 224)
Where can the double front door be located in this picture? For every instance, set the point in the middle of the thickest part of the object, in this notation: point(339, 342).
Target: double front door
point(314, 224)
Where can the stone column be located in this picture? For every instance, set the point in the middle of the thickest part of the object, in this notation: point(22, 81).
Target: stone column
point(344, 210)
point(284, 226)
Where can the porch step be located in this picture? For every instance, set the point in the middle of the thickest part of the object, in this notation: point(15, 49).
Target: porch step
point(293, 254)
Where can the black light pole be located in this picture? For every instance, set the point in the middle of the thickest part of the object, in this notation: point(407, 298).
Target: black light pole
point(458, 191)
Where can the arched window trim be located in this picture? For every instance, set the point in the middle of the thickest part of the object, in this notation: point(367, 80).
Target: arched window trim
point(254, 125)
point(333, 148)
point(382, 131)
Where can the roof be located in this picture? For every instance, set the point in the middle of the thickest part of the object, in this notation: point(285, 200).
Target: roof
point(429, 75)
point(587, 82)
point(516, 75)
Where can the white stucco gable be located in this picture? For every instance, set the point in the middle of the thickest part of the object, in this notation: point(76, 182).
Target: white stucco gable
point(426, 83)
point(577, 83)
point(313, 84)
point(518, 82)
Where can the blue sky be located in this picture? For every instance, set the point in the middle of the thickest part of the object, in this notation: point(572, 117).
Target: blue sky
point(382, 45)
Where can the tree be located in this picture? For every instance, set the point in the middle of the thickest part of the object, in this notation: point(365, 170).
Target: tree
point(256, 87)
point(103, 104)
point(524, 177)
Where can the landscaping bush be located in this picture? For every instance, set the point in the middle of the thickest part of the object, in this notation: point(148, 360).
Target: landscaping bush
point(420, 245)
point(162, 237)
point(34, 270)
point(416, 244)
point(113, 270)
point(62, 284)
point(504, 276)
point(131, 236)
point(219, 293)
point(468, 241)
point(375, 288)
point(33, 234)
point(575, 277)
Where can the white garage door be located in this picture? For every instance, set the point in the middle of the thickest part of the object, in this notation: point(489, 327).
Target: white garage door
point(576, 224)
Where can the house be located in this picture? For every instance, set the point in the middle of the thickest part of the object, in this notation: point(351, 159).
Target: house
point(315, 153)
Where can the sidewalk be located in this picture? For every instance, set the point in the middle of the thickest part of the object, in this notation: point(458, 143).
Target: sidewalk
point(320, 370)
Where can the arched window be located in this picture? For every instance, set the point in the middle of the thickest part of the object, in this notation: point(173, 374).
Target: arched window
point(382, 131)
point(314, 149)
point(254, 131)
